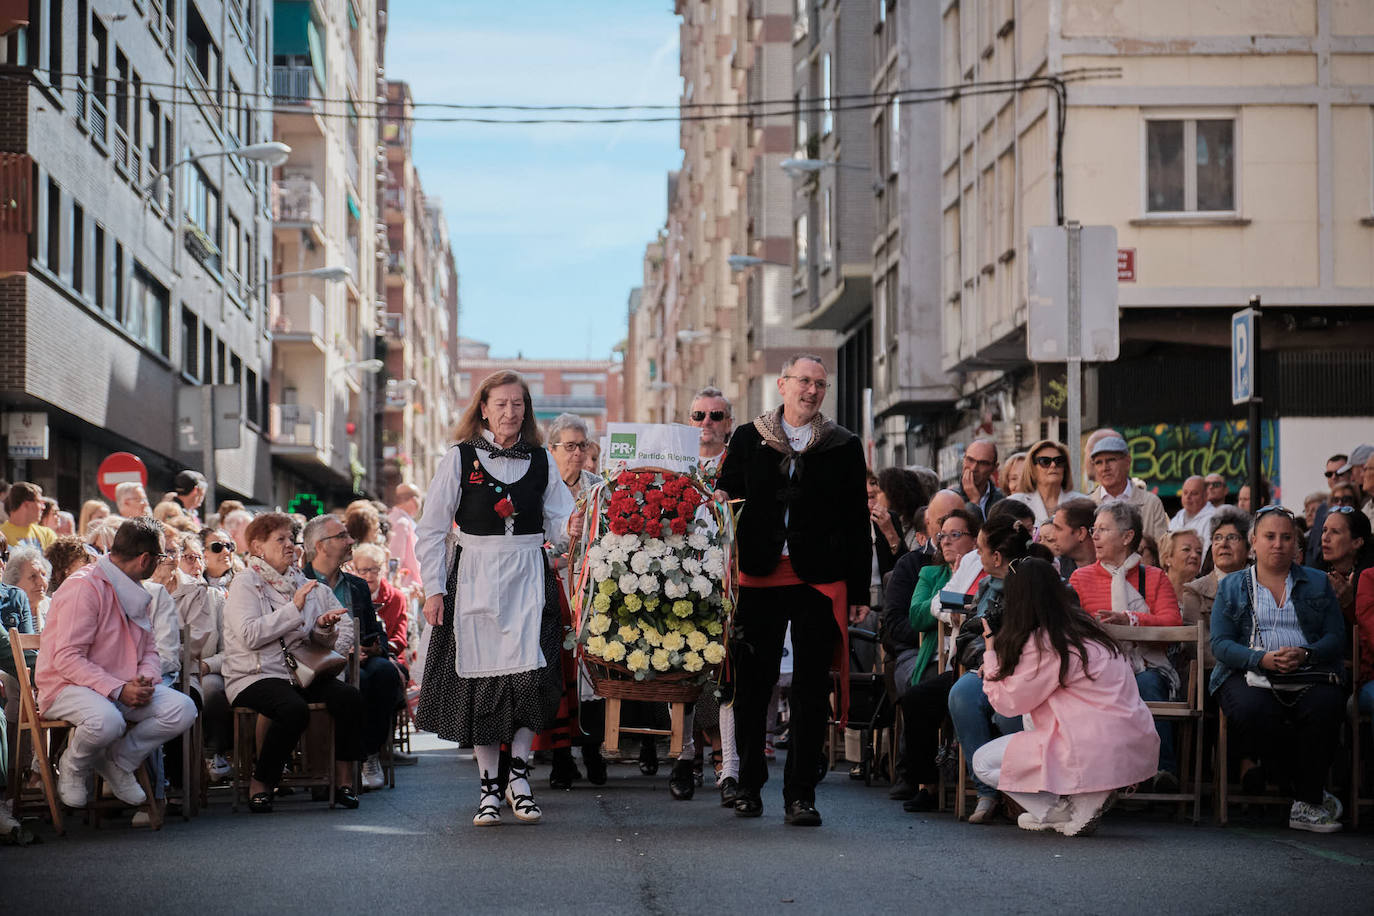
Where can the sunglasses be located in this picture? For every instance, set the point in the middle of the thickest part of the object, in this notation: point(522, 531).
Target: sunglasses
point(1330, 474)
point(715, 415)
point(219, 547)
point(1046, 461)
point(1343, 510)
point(1281, 510)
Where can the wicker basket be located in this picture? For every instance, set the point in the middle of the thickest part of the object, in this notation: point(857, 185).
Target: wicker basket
point(612, 680)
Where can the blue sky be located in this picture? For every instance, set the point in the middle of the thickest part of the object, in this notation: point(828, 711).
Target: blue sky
point(548, 222)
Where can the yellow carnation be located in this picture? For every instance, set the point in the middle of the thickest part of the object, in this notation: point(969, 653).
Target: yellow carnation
point(606, 587)
point(653, 637)
point(633, 603)
point(673, 642)
point(596, 645)
point(636, 660)
point(628, 634)
point(696, 640)
point(652, 602)
point(614, 651)
point(683, 608)
point(660, 660)
point(599, 624)
point(601, 604)
point(714, 653)
point(714, 628)
point(692, 661)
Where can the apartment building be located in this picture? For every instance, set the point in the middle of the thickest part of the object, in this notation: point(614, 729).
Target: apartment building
point(134, 254)
point(419, 340)
point(1233, 156)
point(325, 211)
point(833, 198)
point(578, 386)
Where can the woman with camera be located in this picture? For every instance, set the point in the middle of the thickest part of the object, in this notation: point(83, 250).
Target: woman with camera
point(1088, 733)
point(273, 610)
point(1279, 640)
point(1003, 541)
point(926, 703)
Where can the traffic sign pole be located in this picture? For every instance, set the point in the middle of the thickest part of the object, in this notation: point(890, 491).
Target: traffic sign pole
point(1254, 407)
point(1074, 357)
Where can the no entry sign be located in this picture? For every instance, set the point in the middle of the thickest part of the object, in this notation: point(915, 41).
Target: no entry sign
point(120, 467)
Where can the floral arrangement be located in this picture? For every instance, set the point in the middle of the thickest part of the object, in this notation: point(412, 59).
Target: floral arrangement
point(656, 592)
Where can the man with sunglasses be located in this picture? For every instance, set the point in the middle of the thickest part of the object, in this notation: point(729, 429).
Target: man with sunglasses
point(712, 414)
point(806, 560)
point(1217, 491)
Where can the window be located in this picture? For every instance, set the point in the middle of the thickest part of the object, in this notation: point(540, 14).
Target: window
point(233, 247)
point(238, 113)
point(78, 245)
point(55, 43)
point(895, 156)
point(154, 146)
point(803, 129)
point(827, 229)
point(207, 349)
point(799, 231)
point(202, 211)
point(800, 20)
point(190, 353)
point(98, 262)
point(1190, 165)
point(220, 364)
point(117, 279)
point(148, 310)
point(828, 88)
point(251, 396)
point(235, 369)
point(201, 53)
point(54, 260)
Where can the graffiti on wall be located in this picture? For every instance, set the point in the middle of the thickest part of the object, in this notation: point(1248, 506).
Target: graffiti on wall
point(1164, 455)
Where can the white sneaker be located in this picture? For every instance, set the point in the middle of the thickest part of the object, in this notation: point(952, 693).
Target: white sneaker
point(1313, 818)
point(1057, 815)
point(71, 785)
point(984, 812)
point(122, 783)
point(220, 768)
point(141, 819)
point(1085, 812)
point(372, 773)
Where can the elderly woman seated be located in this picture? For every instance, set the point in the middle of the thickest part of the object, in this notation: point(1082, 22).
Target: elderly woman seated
point(1230, 553)
point(200, 608)
point(1279, 641)
point(273, 608)
point(1120, 589)
point(28, 571)
point(66, 555)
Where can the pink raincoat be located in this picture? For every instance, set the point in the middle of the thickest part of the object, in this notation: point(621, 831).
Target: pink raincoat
point(1093, 735)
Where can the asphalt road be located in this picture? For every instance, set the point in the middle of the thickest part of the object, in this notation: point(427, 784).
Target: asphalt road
point(628, 847)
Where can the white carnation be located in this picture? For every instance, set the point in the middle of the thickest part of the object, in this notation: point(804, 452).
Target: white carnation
point(669, 563)
point(691, 565)
point(714, 569)
point(655, 547)
point(701, 585)
point(714, 555)
point(675, 541)
point(617, 555)
point(648, 584)
point(601, 570)
point(675, 590)
point(697, 541)
point(628, 583)
point(596, 553)
point(640, 562)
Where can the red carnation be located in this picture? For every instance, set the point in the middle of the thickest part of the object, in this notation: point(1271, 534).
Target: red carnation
point(685, 510)
point(636, 523)
point(619, 527)
point(678, 525)
point(505, 508)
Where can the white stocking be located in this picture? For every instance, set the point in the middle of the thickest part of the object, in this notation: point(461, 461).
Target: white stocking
point(488, 759)
point(689, 741)
point(521, 743)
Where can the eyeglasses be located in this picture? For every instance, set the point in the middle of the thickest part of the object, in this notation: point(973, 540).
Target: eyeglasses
point(194, 557)
point(1227, 539)
point(1098, 529)
point(330, 537)
point(819, 384)
point(367, 570)
point(978, 462)
point(1330, 474)
point(168, 557)
point(572, 446)
point(219, 547)
point(1046, 461)
point(1216, 483)
point(951, 536)
point(718, 415)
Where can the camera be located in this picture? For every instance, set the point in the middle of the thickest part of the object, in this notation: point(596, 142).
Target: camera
point(993, 615)
point(952, 602)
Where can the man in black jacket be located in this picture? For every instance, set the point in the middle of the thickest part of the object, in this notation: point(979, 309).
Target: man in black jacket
point(328, 546)
point(975, 477)
point(806, 559)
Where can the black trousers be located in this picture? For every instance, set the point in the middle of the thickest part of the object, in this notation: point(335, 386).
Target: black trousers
point(286, 706)
point(760, 623)
point(924, 708)
point(1297, 741)
point(380, 682)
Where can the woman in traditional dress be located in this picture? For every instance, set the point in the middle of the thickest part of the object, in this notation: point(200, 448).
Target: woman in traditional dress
point(492, 673)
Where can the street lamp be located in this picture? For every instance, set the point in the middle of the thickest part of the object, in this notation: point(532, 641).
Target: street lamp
point(328, 274)
point(370, 366)
point(690, 336)
point(274, 153)
point(739, 262)
point(799, 167)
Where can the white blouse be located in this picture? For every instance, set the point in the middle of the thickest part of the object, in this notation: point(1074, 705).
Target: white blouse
point(445, 492)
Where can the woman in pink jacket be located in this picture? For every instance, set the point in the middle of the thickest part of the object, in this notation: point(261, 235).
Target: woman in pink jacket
point(1087, 732)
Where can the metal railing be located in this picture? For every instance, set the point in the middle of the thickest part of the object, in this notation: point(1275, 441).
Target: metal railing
point(294, 85)
point(297, 199)
point(299, 312)
point(296, 425)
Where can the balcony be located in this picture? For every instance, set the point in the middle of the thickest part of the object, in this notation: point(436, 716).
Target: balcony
point(200, 91)
point(394, 204)
point(396, 264)
point(298, 321)
point(353, 259)
point(295, 85)
point(298, 204)
point(393, 326)
point(296, 429)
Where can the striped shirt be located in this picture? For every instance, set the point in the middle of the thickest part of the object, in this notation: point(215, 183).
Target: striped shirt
point(1277, 624)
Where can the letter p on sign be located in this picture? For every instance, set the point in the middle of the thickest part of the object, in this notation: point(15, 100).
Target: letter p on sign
point(1243, 356)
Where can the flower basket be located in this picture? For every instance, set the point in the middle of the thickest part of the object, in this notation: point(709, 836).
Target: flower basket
point(655, 585)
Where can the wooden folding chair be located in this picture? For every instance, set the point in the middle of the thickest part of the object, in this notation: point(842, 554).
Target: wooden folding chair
point(193, 741)
point(37, 729)
point(1357, 722)
point(1186, 712)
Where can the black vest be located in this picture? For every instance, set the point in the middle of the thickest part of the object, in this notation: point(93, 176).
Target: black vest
point(482, 491)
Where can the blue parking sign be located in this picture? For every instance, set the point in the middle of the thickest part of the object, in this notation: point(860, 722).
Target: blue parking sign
point(1243, 356)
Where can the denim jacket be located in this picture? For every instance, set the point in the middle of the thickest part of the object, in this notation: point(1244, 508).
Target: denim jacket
point(1233, 619)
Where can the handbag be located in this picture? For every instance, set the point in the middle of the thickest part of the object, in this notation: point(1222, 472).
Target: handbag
point(310, 662)
point(1293, 680)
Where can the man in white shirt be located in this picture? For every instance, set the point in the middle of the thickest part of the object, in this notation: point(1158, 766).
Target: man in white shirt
point(1111, 461)
point(1197, 512)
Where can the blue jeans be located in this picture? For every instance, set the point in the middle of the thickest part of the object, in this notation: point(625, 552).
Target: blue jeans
point(974, 721)
point(1153, 685)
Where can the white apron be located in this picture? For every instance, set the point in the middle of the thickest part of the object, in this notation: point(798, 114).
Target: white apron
point(499, 604)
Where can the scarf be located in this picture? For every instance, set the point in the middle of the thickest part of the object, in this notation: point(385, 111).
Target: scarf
point(825, 433)
point(1121, 589)
point(282, 584)
point(520, 449)
point(134, 600)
